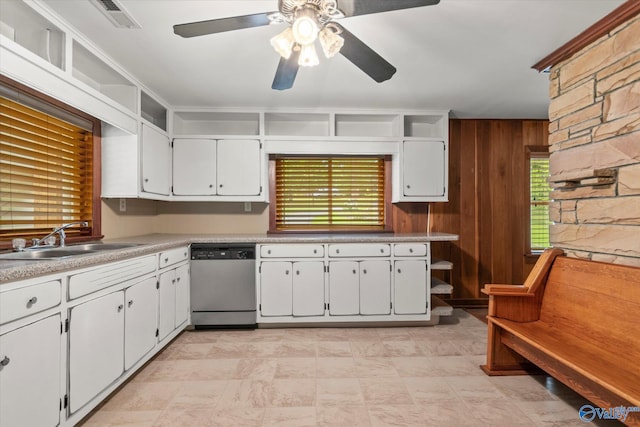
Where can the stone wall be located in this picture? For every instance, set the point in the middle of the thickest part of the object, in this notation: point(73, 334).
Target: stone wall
point(594, 119)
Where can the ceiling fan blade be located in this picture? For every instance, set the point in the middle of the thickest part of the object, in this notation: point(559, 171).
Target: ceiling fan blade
point(365, 7)
point(365, 58)
point(212, 26)
point(286, 72)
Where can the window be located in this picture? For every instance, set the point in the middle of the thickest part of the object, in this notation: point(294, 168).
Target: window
point(330, 193)
point(539, 198)
point(47, 166)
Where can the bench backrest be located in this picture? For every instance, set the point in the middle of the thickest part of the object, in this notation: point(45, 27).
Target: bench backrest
point(597, 301)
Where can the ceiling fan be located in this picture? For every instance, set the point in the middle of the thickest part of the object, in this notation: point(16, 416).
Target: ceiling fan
point(310, 20)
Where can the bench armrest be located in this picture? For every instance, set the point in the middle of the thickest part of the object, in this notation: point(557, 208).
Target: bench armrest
point(506, 290)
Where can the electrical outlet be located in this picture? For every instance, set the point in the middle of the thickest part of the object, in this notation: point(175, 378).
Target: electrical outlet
point(247, 206)
point(123, 205)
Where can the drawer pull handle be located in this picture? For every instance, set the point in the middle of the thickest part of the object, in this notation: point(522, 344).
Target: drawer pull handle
point(166, 260)
point(337, 251)
point(5, 361)
point(315, 251)
point(120, 307)
point(130, 303)
point(32, 301)
point(410, 250)
point(381, 250)
point(269, 252)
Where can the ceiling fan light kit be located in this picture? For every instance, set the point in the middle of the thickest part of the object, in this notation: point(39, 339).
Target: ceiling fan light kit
point(310, 20)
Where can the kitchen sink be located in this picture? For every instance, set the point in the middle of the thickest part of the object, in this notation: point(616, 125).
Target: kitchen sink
point(102, 246)
point(48, 253)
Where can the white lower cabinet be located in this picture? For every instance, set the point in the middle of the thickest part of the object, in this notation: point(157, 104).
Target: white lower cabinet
point(411, 286)
point(375, 287)
point(174, 299)
point(96, 347)
point(141, 320)
point(292, 288)
point(30, 374)
point(344, 288)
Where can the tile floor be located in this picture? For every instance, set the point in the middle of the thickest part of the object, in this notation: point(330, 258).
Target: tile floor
point(399, 376)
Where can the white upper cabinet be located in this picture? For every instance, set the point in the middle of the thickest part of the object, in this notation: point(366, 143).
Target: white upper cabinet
point(194, 167)
point(423, 169)
point(156, 161)
point(238, 167)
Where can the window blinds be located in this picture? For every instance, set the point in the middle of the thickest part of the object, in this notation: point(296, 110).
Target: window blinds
point(46, 172)
point(540, 196)
point(316, 193)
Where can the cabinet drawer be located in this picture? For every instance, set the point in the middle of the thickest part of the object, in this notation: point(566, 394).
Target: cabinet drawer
point(108, 275)
point(23, 302)
point(359, 250)
point(410, 249)
point(173, 256)
point(291, 251)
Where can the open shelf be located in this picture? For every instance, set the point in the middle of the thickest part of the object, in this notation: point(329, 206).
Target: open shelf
point(425, 126)
point(152, 111)
point(92, 71)
point(367, 125)
point(440, 287)
point(440, 264)
point(215, 123)
point(23, 25)
point(296, 124)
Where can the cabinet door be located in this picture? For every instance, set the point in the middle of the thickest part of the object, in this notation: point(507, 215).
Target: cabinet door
point(375, 287)
point(344, 288)
point(276, 288)
point(238, 167)
point(194, 167)
point(308, 288)
point(167, 305)
point(156, 161)
point(96, 347)
point(423, 168)
point(411, 285)
point(30, 374)
point(182, 295)
point(141, 320)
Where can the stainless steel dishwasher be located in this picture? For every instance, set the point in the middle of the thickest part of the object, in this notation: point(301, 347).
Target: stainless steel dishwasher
point(223, 285)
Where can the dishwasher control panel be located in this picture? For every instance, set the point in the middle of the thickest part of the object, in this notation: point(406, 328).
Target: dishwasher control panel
point(213, 252)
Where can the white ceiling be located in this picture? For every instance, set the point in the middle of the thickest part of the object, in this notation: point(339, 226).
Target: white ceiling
point(471, 56)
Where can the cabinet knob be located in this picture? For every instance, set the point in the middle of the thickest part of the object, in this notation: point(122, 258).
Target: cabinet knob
point(178, 279)
point(408, 186)
point(381, 250)
point(364, 271)
point(286, 272)
point(399, 271)
point(120, 307)
point(315, 251)
point(32, 301)
point(5, 361)
point(173, 281)
point(130, 303)
point(146, 180)
point(220, 185)
point(337, 251)
point(210, 185)
point(297, 272)
point(354, 272)
point(269, 251)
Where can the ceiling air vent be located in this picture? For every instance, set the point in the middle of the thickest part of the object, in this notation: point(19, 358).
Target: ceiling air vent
point(116, 14)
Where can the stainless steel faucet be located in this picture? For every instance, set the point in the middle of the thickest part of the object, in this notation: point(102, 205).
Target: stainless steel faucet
point(60, 232)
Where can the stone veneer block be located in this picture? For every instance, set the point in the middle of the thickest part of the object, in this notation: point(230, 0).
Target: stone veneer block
point(573, 142)
point(613, 259)
point(585, 115)
point(623, 126)
point(629, 180)
point(619, 151)
point(618, 240)
point(622, 102)
point(584, 192)
point(619, 79)
point(554, 211)
point(616, 210)
point(572, 100)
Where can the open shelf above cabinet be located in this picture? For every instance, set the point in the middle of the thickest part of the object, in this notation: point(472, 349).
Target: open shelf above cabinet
point(367, 125)
point(215, 123)
point(24, 26)
point(425, 126)
point(94, 72)
point(296, 124)
point(152, 111)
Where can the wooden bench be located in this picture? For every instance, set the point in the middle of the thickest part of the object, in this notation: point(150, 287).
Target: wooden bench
point(577, 320)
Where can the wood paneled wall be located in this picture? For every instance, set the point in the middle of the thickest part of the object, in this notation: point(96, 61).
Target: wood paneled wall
point(487, 208)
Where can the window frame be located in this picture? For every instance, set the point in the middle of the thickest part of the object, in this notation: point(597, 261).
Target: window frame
point(388, 206)
point(96, 216)
point(532, 151)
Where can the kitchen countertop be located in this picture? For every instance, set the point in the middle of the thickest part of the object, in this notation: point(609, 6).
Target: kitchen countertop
point(11, 270)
